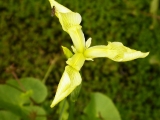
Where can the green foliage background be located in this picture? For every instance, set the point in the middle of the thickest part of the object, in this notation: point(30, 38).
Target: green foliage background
point(30, 39)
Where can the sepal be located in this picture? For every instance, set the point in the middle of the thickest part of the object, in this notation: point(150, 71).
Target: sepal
point(67, 52)
point(75, 93)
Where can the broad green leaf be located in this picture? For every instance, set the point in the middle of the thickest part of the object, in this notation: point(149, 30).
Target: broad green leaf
point(10, 94)
point(101, 108)
point(35, 112)
point(32, 84)
point(6, 115)
point(11, 99)
point(38, 88)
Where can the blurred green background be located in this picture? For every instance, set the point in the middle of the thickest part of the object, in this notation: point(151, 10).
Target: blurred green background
point(30, 39)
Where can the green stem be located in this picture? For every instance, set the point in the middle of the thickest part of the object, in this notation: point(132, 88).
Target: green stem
point(61, 112)
point(50, 69)
point(71, 110)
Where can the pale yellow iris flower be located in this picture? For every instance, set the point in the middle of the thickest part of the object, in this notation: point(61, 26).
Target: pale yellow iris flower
point(71, 77)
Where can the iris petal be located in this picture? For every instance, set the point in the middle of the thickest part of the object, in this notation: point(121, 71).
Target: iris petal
point(70, 80)
point(78, 39)
point(69, 20)
point(116, 51)
point(59, 7)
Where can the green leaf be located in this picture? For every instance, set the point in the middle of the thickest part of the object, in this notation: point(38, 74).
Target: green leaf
point(101, 108)
point(35, 112)
point(6, 115)
point(32, 84)
point(12, 100)
point(38, 88)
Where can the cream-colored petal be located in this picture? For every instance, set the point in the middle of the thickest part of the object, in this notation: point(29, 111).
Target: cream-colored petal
point(70, 80)
point(96, 51)
point(76, 61)
point(74, 49)
point(70, 23)
point(69, 20)
point(78, 39)
point(66, 17)
point(115, 51)
point(59, 7)
point(120, 53)
point(88, 42)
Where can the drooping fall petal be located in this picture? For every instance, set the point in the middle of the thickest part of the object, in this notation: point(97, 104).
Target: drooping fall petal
point(70, 80)
point(116, 51)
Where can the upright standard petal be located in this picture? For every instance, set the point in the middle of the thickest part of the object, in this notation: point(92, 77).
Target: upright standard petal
point(115, 51)
point(70, 80)
point(78, 39)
